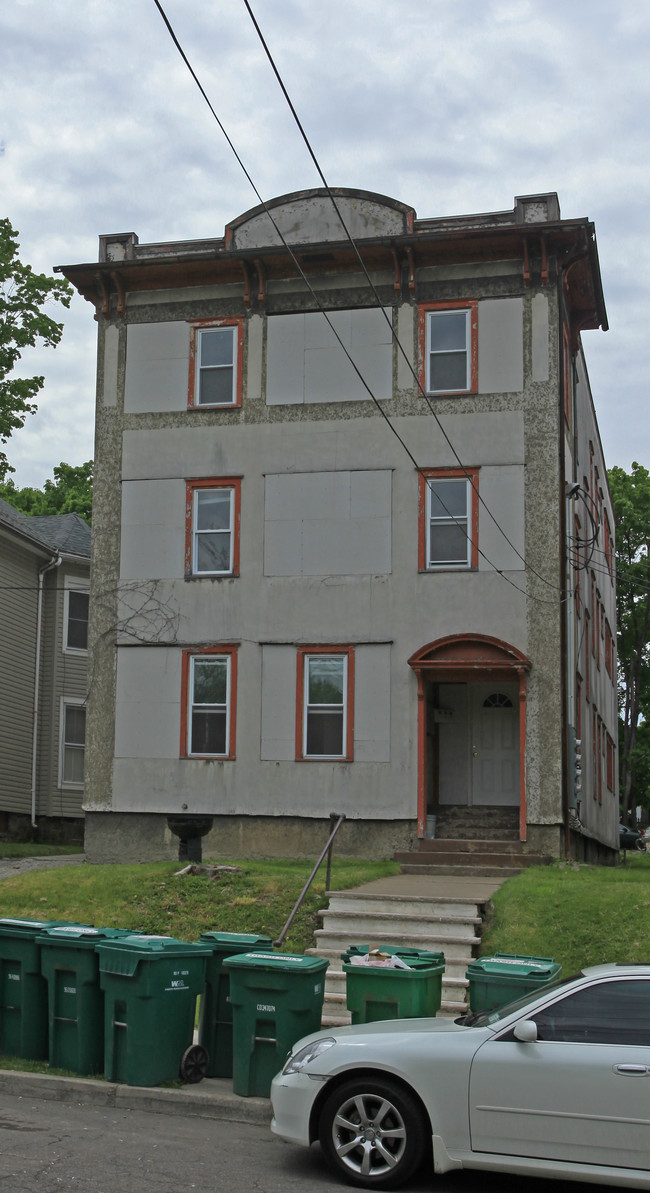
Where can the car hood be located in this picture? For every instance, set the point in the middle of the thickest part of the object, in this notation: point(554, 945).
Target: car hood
point(399, 1028)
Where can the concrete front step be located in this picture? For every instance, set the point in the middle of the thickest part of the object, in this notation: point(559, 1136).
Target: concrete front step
point(477, 858)
point(451, 946)
point(468, 845)
point(365, 924)
point(460, 870)
point(404, 904)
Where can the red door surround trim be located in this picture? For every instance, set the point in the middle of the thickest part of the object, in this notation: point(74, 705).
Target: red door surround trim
point(467, 658)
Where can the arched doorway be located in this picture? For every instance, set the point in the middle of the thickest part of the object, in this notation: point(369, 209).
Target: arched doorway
point(471, 724)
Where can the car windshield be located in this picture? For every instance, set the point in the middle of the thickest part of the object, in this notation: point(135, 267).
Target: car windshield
point(487, 1018)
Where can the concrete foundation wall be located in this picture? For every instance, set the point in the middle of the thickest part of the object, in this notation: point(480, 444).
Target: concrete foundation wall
point(132, 837)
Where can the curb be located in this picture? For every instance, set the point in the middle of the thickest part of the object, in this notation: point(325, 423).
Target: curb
point(211, 1098)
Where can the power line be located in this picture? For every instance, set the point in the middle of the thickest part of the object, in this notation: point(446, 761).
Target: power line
point(376, 295)
point(421, 472)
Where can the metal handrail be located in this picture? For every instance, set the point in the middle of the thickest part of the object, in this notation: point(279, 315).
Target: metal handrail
point(339, 817)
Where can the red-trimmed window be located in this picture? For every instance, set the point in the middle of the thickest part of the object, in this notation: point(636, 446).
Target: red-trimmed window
point(216, 356)
point(325, 703)
point(598, 627)
point(448, 517)
point(595, 754)
point(609, 547)
point(611, 755)
point(212, 516)
point(448, 334)
point(587, 650)
point(209, 702)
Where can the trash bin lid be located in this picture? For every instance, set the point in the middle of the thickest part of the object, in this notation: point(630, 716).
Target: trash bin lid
point(282, 962)
point(82, 936)
point(154, 946)
point(9, 927)
point(511, 964)
point(247, 940)
point(125, 955)
point(407, 954)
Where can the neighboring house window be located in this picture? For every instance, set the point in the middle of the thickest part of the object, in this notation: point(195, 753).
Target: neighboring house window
point(73, 744)
point(449, 347)
point(208, 703)
point(325, 703)
point(76, 619)
point(212, 527)
point(448, 519)
point(216, 353)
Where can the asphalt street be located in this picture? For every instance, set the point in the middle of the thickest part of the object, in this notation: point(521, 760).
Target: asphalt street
point(46, 1147)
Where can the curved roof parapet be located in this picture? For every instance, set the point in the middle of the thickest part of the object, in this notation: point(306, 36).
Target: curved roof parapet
point(309, 217)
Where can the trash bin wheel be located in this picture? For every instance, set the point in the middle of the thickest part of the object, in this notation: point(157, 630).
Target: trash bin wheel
point(194, 1064)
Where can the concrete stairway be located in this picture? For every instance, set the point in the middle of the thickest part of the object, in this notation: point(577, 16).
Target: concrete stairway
point(470, 841)
point(396, 916)
point(491, 859)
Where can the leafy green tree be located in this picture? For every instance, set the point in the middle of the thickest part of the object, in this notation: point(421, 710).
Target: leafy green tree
point(71, 492)
point(631, 499)
point(23, 322)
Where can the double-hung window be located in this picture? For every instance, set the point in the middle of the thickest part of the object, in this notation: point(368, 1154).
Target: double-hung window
point(76, 619)
point(448, 519)
point(216, 364)
point(325, 703)
point(73, 744)
point(212, 527)
point(208, 702)
point(448, 345)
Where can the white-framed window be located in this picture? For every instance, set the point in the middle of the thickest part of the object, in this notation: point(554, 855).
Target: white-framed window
point(209, 679)
point(212, 532)
point(216, 381)
point(73, 743)
point(450, 348)
point(325, 709)
point(449, 526)
point(75, 616)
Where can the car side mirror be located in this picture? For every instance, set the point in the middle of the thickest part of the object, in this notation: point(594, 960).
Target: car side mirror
point(525, 1031)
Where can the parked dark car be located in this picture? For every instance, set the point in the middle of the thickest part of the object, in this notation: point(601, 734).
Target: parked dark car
point(631, 838)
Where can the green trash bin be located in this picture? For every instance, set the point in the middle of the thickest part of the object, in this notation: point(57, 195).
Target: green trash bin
point(215, 1019)
point(70, 967)
point(150, 986)
point(497, 980)
point(276, 999)
point(23, 989)
point(373, 993)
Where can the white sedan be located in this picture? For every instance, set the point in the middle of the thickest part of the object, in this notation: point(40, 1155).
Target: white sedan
point(556, 1084)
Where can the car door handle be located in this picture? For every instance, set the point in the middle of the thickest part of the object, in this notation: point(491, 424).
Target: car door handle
point(631, 1070)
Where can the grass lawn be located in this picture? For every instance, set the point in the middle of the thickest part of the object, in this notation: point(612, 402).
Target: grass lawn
point(33, 849)
point(149, 898)
point(580, 915)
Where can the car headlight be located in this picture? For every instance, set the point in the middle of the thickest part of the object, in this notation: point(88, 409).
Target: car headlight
point(299, 1059)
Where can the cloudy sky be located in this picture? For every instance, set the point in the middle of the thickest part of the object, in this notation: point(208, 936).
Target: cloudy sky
point(453, 106)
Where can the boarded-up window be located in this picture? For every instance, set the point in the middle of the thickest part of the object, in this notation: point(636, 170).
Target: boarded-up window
point(305, 361)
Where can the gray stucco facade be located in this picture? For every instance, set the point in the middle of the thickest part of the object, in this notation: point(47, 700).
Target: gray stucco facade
point(334, 454)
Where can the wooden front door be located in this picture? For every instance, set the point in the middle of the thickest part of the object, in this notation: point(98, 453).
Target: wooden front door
point(477, 738)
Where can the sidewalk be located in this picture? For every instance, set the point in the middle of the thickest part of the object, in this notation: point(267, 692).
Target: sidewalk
point(210, 1098)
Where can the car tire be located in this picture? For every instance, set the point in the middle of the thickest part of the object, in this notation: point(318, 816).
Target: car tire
point(640, 844)
point(373, 1133)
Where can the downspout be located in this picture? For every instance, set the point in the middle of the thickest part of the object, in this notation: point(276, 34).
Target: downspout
point(55, 562)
